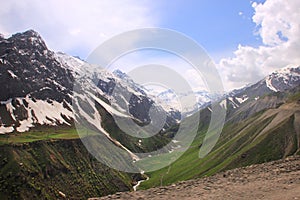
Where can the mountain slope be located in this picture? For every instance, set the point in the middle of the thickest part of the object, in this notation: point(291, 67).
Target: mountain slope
point(56, 170)
point(257, 131)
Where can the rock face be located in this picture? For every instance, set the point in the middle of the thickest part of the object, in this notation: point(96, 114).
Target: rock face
point(35, 89)
point(29, 68)
point(274, 180)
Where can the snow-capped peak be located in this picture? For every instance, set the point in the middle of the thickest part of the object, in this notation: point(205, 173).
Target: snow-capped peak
point(283, 79)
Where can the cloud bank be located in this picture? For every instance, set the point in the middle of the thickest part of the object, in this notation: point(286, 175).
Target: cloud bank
point(278, 24)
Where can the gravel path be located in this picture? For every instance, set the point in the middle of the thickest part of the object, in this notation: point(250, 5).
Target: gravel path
point(275, 180)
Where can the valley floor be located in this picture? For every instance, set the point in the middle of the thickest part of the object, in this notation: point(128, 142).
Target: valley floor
point(274, 180)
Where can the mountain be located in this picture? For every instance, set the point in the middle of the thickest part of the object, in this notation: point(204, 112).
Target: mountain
point(35, 88)
point(169, 107)
point(202, 98)
point(44, 98)
point(42, 88)
point(35, 77)
point(282, 80)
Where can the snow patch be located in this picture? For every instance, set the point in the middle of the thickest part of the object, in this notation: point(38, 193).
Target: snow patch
point(6, 102)
point(25, 125)
point(4, 129)
point(38, 111)
point(47, 113)
point(12, 74)
point(22, 52)
point(242, 100)
point(10, 108)
point(108, 107)
point(269, 84)
point(235, 105)
point(57, 84)
point(223, 104)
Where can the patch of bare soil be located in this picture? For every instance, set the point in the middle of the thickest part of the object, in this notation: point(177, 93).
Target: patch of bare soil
point(274, 180)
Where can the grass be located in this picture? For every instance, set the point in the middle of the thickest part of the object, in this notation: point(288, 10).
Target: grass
point(38, 170)
point(240, 144)
point(179, 170)
point(39, 134)
point(294, 97)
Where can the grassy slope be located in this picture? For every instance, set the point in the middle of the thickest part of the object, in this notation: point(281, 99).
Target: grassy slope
point(42, 133)
point(261, 138)
point(39, 170)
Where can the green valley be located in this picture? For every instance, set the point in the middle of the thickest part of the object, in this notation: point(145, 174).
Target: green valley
point(270, 134)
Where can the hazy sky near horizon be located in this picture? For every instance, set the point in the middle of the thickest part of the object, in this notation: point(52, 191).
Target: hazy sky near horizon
point(246, 39)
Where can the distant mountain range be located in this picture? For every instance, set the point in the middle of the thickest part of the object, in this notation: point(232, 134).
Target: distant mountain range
point(283, 79)
point(279, 81)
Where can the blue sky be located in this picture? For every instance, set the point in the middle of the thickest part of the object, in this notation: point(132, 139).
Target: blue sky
point(219, 26)
point(246, 39)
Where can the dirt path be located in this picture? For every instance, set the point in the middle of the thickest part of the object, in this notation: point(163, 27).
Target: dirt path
point(274, 180)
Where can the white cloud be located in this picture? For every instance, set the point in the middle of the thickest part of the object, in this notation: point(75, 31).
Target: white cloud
point(76, 26)
point(278, 23)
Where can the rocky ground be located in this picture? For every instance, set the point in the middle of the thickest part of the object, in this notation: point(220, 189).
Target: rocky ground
point(274, 180)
